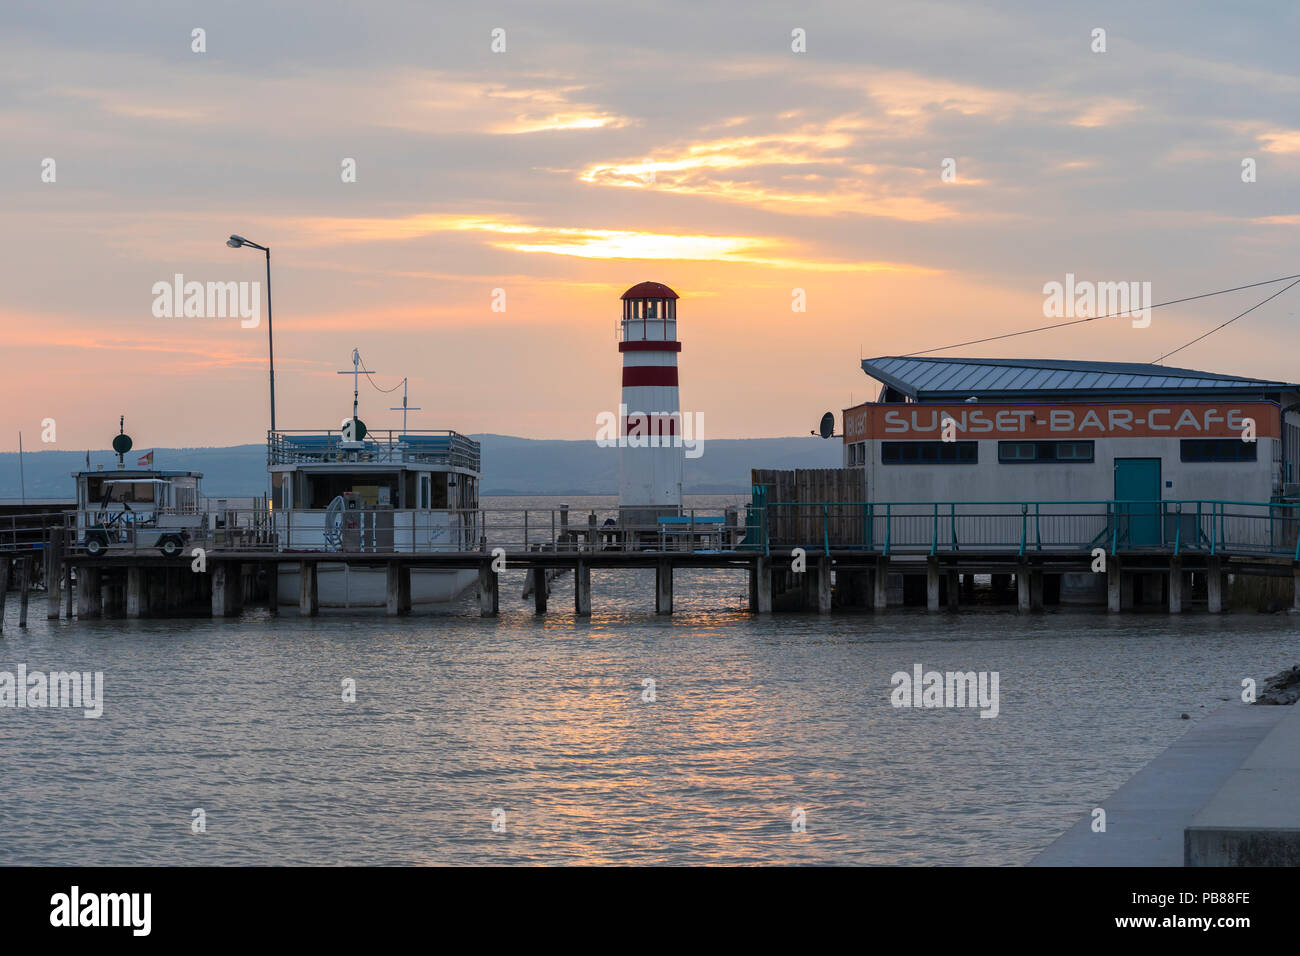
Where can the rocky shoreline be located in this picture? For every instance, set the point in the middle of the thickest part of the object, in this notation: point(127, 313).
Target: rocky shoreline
point(1281, 688)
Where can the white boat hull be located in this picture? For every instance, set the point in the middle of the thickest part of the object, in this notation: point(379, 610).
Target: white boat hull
point(341, 585)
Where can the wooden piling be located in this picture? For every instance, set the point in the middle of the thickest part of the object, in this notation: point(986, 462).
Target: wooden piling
point(880, 584)
point(1023, 600)
point(4, 587)
point(67, 582)
point(1176, 580)
point(398, 589)
point(105, 579)
point(272, 581)
point(24, 589)
point(663, 588)
point(824, 584)
point(54, 575)
point(538, 580)
point(156, 591)
point(87, 584)
point(761, 585)
point(489, 591)
point(223, 598)
point(136, 598)
point(582, 589)
point(1214, 584)
point(932, 584)
point(308, 593)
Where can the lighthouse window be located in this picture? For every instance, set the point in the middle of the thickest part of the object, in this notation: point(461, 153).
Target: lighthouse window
point(929, 452)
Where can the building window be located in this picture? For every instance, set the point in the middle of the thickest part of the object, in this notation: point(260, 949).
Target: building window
point(929, 452)
point(1217, 449)
point(1018, 452)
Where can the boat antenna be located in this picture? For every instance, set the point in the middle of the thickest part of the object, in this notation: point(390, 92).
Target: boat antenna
point(405, 408)
point(356, 374)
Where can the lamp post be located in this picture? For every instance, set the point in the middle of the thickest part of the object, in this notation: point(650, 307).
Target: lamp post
point(235, 242)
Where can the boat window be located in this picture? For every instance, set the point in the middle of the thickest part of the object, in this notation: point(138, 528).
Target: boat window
point(424, 491)
point(129, 491)
point(372, 489)
point(438, 491)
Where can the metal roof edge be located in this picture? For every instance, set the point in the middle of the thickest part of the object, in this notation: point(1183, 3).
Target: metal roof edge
point(871, 366)
point(887, 379)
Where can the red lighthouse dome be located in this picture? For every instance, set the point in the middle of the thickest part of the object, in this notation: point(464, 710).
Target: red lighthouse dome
point(649, 290)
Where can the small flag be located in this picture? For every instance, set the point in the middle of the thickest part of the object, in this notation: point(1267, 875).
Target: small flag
point(146, 460)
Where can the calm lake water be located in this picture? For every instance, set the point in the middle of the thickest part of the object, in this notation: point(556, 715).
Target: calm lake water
point(457, 716)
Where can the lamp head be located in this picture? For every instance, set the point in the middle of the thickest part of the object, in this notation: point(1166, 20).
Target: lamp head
point(234, 242)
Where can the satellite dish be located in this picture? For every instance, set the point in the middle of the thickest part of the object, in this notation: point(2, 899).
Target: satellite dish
point(827, 428)
point(354, 429)
point(121, 444)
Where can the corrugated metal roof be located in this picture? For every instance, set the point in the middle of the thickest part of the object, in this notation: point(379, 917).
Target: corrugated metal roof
point(921, 377)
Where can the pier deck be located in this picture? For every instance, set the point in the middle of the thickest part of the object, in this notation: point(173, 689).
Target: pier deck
point(798, 557)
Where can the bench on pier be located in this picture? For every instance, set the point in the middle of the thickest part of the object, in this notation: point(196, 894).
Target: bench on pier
point(684, 533)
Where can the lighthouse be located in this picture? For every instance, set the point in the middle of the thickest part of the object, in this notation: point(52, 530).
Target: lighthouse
point(650, 421)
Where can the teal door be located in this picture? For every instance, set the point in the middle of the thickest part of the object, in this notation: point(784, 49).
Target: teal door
point(1137, 501)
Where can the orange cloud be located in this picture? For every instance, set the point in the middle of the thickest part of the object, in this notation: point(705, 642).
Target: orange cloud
point(585, 242)
point(806, 172)
point(1281, 141)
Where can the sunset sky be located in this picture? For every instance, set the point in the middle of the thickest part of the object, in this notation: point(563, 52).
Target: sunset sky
point(608, 144)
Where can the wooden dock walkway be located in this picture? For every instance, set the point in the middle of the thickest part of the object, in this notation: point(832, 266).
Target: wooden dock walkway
point(816, 558)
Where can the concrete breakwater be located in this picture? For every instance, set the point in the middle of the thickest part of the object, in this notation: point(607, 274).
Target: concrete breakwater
point(1226, 793)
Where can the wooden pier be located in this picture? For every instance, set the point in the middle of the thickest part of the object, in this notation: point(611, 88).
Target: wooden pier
point(815, 558)
point(144, 586)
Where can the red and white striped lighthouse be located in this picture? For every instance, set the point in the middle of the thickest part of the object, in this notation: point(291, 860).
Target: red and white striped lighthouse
point(650, 427)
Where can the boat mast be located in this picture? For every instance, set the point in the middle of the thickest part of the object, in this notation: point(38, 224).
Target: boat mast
point(356, 374)
point(405, 408)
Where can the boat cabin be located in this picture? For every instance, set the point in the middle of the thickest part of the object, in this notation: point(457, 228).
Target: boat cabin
point(390, 491)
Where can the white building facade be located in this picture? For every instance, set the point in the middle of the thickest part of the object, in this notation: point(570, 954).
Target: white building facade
point(1058, 434)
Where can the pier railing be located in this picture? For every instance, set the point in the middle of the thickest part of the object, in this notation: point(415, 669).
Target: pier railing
point(885, 528)
point(914, 527)
point(382, 446)
point(379, 531)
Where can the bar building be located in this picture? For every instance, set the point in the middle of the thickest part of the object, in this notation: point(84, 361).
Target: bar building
point(976, 430)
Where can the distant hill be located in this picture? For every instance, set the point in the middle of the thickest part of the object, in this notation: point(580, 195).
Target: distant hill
point(511, 466)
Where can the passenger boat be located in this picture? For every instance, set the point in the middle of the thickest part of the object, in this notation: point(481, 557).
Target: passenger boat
point(373, 492)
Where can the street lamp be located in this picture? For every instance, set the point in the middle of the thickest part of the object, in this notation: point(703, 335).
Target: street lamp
point(235, 242)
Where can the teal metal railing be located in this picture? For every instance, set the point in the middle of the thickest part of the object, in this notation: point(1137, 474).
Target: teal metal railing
point(933, 527)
